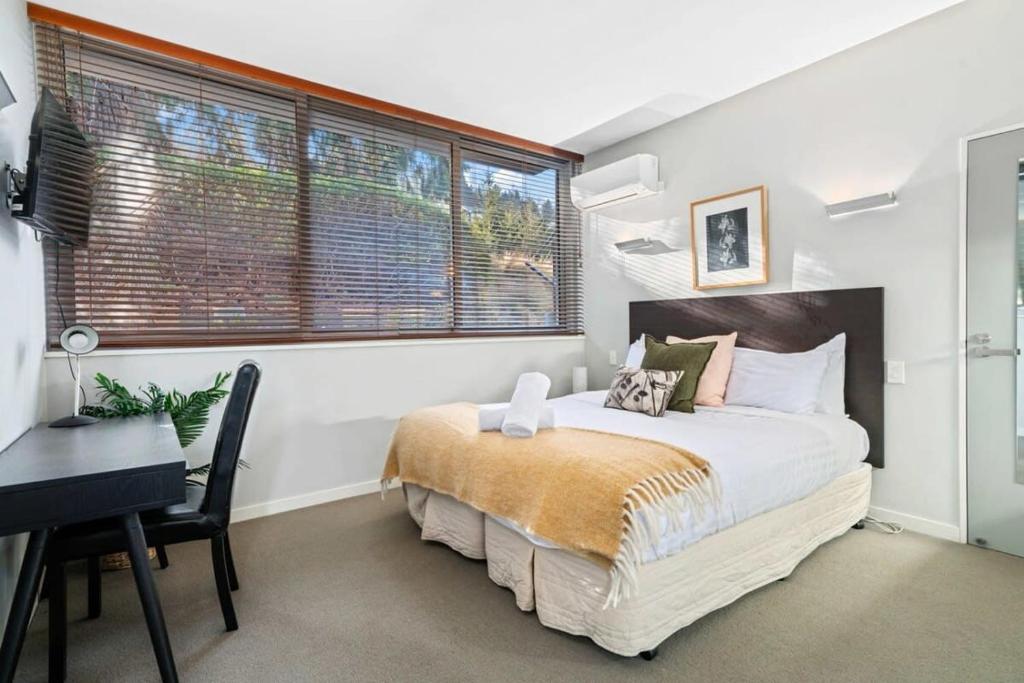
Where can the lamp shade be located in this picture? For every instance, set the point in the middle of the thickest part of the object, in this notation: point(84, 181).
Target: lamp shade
point(79, 339)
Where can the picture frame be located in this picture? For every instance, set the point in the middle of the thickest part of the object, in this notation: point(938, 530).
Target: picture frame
point(729, 239)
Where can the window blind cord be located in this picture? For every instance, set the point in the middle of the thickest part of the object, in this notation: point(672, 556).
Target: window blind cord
point(884, 527)
point(206, 231)
point(63, 320)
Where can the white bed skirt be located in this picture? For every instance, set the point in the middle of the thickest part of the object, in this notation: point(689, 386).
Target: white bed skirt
point(568, 591)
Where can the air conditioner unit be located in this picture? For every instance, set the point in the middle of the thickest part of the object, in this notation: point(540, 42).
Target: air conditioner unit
point(619, 182)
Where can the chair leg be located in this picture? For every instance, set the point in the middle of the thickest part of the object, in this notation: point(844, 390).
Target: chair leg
point(57, 583)
point(232, 576)
point(220, 574)
point(161, 555)
point(95, 587)
point(44, 587)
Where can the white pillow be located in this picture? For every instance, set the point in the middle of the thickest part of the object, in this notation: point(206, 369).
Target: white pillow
point(788, 382)
point(635, 355)
point(831, 401)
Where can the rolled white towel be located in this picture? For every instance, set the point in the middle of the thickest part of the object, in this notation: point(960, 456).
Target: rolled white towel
point(527, 402)
point(491, 418)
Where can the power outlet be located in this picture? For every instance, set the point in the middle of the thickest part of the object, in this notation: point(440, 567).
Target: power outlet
point(895, 372)
point(613, 357)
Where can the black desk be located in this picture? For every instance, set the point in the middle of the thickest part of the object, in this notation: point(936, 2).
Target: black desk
point(53, 477)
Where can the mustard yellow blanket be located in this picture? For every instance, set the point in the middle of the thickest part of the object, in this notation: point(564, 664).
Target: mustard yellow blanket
point(580, 489)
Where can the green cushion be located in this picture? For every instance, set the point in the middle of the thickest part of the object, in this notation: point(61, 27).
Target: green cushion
point(690, 358)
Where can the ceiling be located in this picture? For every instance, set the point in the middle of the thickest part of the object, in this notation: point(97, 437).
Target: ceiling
point(578, 74)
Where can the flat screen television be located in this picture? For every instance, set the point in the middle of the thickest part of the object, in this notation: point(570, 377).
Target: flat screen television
point(55, 196)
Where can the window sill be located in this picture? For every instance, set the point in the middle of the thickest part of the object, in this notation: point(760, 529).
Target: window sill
point(354, 344)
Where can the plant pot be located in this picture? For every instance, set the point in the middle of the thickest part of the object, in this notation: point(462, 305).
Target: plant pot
point(118, 561)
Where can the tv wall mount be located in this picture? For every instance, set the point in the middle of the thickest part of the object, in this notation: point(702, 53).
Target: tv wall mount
point(12, 186)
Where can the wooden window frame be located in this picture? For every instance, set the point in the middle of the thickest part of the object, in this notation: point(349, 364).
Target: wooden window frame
point(308, 96)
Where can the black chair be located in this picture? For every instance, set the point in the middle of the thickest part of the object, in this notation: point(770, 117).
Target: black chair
point(204, 515)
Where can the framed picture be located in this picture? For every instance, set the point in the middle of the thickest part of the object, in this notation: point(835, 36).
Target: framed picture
point(729, 239)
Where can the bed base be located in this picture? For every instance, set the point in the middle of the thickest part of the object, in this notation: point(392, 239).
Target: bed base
point(567, 591)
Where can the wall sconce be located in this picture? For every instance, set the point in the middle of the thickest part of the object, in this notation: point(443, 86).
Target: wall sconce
point(644, 246)
point(6, 96)
point(875, 201)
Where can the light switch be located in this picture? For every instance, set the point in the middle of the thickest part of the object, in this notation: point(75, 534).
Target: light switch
point(895, 372)
point(613, 357)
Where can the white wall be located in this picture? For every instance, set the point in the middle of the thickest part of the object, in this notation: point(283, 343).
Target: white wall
point(885, 115)
point(323, 416)
point(21, 272)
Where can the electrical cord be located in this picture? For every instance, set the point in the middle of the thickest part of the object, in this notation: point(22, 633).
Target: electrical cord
point(884, 527)
point(63, 320)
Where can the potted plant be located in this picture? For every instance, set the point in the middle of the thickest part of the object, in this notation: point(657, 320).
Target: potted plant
point(189, 413)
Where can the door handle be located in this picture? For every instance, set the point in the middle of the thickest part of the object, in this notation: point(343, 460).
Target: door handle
point(986, 352)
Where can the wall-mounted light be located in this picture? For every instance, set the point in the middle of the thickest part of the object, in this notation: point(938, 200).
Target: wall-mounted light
point(875, 201)
point(644, 246)
point(6, 96)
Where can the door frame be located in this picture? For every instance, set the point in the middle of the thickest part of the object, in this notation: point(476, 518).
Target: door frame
point(961, 361)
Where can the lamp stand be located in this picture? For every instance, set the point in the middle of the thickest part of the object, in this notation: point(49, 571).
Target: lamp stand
point(76, 420)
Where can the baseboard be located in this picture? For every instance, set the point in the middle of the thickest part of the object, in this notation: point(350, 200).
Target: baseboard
point(305, 500)
point(948, 532)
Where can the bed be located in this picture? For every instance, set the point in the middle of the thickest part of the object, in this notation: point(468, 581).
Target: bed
point(788, 483)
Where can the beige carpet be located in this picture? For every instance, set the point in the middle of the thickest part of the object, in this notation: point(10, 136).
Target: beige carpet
point(347, 592)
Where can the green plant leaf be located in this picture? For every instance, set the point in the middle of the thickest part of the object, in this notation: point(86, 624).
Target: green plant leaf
point(201, 471)
point(190, 413)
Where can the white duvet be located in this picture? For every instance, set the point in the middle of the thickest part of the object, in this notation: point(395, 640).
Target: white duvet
point(764, 459)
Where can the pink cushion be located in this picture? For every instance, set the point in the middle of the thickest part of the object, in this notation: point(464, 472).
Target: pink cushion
point(711, 387)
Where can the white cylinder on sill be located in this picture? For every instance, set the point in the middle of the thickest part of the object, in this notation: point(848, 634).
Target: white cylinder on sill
point(579, 379)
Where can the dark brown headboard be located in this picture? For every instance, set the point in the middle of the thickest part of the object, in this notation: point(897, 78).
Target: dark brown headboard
point(789, 322)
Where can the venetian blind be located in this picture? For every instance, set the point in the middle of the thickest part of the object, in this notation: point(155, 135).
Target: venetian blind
point(228, 210)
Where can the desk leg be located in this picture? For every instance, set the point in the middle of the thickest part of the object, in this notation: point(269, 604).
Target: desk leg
point(21, 607)
point(148, 597)
point(57, 584)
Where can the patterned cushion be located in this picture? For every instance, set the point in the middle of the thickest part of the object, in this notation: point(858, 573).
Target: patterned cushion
point(642, 391)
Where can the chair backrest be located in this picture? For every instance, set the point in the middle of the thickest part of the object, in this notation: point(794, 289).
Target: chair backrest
point(221, 480)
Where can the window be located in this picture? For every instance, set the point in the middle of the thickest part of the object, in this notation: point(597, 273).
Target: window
point(380, 227)
point(228, 210)
point(508, 243)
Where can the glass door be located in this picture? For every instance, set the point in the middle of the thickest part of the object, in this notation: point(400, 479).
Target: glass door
point(995, 324)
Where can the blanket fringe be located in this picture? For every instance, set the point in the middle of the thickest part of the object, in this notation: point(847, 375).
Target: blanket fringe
point(679, 497)
point(385, 484)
